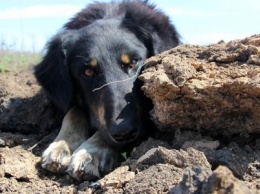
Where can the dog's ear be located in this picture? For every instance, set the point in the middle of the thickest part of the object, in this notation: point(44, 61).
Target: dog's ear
point(53, 73)
point(151, 26)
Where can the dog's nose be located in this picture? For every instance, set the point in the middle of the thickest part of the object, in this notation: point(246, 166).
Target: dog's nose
point(122, 133)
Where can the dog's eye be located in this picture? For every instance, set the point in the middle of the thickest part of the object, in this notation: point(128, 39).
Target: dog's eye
point(89, 72)
point(133, 63)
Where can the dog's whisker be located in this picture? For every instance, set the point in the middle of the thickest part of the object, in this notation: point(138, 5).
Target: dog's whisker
point(119, 81)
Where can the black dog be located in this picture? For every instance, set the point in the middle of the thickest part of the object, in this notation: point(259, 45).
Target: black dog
point(90, 72)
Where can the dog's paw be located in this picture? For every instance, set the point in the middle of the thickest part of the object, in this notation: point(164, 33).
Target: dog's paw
point(56, 157)
point(92, 160)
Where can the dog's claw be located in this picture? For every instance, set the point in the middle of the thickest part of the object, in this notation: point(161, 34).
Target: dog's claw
point(53, 167)
point(78, 164)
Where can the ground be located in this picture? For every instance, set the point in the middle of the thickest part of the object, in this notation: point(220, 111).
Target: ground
point(179, 160)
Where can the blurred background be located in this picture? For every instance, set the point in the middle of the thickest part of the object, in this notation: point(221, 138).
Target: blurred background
point(27, 25)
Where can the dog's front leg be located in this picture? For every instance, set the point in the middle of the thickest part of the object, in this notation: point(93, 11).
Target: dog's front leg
point(74, 131)
point(93, 159)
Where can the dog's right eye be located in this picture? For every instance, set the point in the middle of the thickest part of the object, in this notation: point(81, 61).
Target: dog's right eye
point(90, 67)
point(89, 72)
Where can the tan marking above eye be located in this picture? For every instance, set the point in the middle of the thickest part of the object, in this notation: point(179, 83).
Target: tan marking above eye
point(93, 62)
point(125, 58)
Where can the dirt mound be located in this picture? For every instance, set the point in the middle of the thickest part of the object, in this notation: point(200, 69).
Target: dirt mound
point(205, 98)
point(23, 106)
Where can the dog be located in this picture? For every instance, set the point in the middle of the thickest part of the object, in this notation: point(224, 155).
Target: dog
point(90, 72)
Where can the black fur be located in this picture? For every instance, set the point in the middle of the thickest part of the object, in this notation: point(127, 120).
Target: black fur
point(105, 32)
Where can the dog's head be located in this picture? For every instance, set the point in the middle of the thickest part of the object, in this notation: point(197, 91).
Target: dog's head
point(96, 67)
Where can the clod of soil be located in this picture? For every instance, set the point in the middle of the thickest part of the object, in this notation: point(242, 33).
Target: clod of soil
point(213, 89)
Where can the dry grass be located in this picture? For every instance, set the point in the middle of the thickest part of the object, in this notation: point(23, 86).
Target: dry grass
point(11, 61)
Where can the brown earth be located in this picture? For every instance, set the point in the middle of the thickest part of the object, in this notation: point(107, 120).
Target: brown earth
point(23, 106)
point(206, 100)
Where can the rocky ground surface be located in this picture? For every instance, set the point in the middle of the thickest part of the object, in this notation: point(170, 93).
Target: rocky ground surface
point(206, 100)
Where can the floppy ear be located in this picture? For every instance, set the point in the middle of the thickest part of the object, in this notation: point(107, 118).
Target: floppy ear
point(150, 26)
point(53, 74)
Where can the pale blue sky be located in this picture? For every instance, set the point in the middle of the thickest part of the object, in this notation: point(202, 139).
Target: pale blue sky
point(27, 24)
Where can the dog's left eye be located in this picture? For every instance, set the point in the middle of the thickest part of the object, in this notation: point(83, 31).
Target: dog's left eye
point(133, 63)
point(89, 71)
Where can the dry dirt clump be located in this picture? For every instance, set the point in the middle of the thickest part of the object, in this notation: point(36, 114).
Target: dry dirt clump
point(213, 88)
point(206, 102)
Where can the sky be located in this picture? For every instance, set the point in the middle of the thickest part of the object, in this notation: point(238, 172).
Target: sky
point(28, 24)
